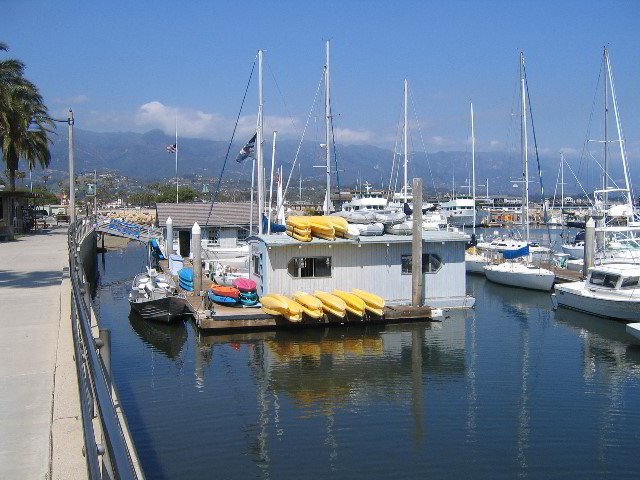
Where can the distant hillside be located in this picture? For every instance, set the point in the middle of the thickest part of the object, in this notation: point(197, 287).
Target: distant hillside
point(144, 156)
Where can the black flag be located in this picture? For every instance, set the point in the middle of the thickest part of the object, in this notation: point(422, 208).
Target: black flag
point(247, 150)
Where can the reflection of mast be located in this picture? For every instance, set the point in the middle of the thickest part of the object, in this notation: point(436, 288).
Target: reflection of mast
point(471, 376)
point(202, 353)
point(523, 416)
point(258, 366)
point(417, 341)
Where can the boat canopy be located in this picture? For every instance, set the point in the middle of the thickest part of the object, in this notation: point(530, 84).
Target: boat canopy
point(517, 252)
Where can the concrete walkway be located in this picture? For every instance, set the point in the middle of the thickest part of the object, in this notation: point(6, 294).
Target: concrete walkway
point(32, 297)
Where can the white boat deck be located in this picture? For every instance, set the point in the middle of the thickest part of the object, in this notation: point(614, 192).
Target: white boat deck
point(634, 329)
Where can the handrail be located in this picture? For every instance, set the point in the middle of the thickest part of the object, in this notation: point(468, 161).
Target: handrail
point(94, 387)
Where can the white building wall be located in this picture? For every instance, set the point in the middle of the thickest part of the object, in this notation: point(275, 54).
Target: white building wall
point(372, 267)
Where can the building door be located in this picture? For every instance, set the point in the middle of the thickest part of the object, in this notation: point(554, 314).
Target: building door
point(185, 242)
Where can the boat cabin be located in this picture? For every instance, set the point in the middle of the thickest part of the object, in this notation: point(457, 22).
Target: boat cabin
point(614, 277)
point(377, 264)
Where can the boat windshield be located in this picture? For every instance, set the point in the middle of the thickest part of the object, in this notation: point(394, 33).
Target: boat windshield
point(629, 282)
point(606, 280)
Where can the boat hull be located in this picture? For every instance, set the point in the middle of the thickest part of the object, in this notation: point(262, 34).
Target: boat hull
point(575, 252)
point(575, 297)
point(161, 310)
point(538, 279)
point(475, 263)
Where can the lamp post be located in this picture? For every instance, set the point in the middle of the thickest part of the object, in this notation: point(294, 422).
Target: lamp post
point(72, 181)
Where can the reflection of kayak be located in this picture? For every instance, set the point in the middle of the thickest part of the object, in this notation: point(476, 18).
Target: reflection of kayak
point(222, 300)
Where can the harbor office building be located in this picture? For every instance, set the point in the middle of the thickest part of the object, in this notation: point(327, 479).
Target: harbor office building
point(225, 224)
point(377, 264)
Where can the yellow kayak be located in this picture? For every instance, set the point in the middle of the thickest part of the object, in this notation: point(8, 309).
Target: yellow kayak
point(301, 238)
point(331, 303)
point(324, 237)
point(307, 300)
point(354, 303)
point(293, 307)
point(377, 311)
point(298, 222)
point(313, 313)
point(301, 231)
point(273, 303)
point(294, 318)
point(338, 224)
point(370, 299)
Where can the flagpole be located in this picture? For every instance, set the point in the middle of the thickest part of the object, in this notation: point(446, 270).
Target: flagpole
point(176, 158)
point(259, 145)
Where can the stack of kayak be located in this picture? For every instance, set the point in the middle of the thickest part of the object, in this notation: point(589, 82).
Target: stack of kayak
point(186, 278)
point(338, 304)
point(247, 288)
point(243, 292)
point(327, 228)
point(224, 295)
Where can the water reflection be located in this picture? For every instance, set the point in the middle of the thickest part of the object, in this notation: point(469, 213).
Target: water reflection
point(166, 338)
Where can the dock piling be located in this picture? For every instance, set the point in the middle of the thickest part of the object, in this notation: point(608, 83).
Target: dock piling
point(589, 245)
point(416, 245)
point(197, 259)
point(168, 242)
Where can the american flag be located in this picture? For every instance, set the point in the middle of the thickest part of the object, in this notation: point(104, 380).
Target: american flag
point(172, 148)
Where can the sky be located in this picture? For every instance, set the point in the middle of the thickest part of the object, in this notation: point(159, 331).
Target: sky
point(134, 66)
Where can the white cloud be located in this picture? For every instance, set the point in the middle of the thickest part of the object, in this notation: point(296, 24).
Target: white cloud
point(495, 144)
point(569, 152)
point(348, 135)
point(438, 140)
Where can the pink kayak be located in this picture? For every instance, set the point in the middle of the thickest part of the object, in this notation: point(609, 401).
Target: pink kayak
point(244, 284)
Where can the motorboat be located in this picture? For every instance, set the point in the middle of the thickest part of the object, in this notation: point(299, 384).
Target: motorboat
point(611, 290)
point(154, 296)
point(475, 261)
point(576, 248)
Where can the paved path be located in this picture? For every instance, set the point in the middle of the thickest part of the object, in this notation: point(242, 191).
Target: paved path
point(30, 313)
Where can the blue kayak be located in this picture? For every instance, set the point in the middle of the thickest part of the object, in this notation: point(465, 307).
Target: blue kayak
point(186, 274)
point(248, 301)
point(222, 300)
point(248, 295)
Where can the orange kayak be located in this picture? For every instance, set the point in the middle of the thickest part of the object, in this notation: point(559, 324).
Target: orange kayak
point(224, 291)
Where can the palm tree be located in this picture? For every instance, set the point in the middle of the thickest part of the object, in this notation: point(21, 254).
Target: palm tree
point(24, 120)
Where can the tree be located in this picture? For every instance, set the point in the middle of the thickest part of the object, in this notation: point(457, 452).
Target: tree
point(24, 119)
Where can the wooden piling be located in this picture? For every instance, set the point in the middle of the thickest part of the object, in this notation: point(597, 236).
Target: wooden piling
point(416, 245)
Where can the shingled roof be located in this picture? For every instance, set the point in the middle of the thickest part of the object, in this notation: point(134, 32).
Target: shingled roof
point(222, 214)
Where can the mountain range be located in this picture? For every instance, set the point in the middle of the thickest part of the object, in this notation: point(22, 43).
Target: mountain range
point(144, 156)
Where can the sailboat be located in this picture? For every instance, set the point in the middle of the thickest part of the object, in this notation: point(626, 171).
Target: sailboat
point(514, 273)
point(474, 262)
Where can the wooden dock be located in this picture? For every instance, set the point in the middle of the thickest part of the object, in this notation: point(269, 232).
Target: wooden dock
point(214, 318)
point(562, 274)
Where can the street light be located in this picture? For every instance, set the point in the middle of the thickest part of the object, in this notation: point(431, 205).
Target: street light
point(72, 183)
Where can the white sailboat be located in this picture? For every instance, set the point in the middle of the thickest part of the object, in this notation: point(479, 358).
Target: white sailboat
point(516, 273)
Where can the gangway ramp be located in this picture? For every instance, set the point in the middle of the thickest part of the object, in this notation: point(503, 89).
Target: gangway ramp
point(133, 231)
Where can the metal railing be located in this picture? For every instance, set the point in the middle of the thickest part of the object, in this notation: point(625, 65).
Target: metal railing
point(105, 447)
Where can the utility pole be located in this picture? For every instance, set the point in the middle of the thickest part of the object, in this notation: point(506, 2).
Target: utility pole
point(72, 180)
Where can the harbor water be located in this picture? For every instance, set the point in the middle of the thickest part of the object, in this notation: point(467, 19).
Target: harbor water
point(508, 389)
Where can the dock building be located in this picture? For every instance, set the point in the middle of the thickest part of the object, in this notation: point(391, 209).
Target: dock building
point(377, 264)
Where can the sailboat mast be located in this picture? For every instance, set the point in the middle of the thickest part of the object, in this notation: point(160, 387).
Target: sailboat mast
point(259, 144)
point(523, 141)
point(473, 169)
point(561, 184)
point(605, 179)
point(406, 140)
point(620, 139)
point(327, 114)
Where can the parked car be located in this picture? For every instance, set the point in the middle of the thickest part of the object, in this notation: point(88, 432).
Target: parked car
point(42, 213)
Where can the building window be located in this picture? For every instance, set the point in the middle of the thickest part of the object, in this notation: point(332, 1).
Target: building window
point(309, 267)
point(431, 263)
point(256, 265)
point(242, 234)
